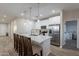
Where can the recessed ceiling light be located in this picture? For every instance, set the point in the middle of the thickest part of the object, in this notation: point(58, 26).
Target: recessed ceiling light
point(22, 14)
point(25, 24)
point(41, 15)
point(53, 11)
point(4, 16)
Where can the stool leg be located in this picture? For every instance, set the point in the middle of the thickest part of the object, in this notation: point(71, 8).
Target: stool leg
point(41, 53)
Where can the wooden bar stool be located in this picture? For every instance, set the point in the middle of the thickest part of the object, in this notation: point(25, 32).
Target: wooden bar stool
point(17, 43)
point(22, 45)
point(30, 50)
point(27, 47)
point(14, 35)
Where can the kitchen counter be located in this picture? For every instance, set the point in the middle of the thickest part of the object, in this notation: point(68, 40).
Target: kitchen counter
point(43, 41)
point(38, 38)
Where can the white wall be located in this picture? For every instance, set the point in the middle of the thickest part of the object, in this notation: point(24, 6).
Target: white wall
point(78, 33)
point(3, 29)
point(20, 26)
point(23, 26)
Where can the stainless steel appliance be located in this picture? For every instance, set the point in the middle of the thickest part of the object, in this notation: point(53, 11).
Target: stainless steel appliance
point(55, 31)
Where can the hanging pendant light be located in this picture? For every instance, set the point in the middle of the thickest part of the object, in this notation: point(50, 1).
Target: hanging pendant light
point(30, 12)
point(38, 13)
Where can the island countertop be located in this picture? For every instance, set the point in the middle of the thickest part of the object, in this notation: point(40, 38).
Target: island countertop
point(38, 38)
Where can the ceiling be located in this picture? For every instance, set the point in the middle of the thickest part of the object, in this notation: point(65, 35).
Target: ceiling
point(15, 10)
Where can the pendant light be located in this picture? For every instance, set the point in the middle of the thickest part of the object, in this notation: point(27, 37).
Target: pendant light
point(30, 12)
point(38, 13)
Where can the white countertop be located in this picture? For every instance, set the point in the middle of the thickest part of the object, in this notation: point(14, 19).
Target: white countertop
point(38, 39)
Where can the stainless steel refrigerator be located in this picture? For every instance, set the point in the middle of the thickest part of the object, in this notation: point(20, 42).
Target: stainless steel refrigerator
point(55, 33)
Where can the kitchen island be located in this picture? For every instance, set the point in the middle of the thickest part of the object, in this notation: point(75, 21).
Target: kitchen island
point(43, 41)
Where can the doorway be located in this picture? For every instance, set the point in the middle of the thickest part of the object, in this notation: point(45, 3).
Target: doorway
point(70, 35)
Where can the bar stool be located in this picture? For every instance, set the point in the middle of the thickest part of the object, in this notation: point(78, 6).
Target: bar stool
point(30, 50)
point(17, 43)
point(22, 45)
point(27, 47)
point(14, 35)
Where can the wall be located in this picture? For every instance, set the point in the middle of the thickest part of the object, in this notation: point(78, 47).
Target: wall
point(20, 25)
point(23, 26)
point(3, 29)
point(78, 33)
point(71, 15)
